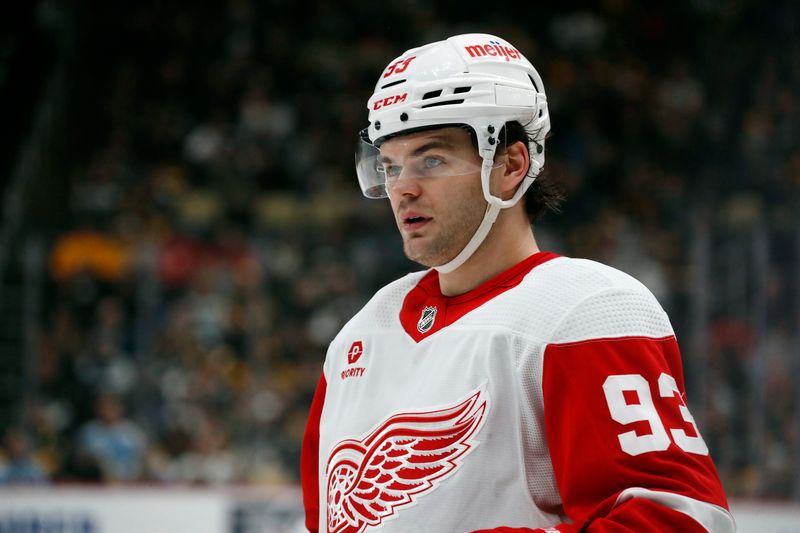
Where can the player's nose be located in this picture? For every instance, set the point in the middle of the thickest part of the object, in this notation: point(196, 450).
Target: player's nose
point(405, 186)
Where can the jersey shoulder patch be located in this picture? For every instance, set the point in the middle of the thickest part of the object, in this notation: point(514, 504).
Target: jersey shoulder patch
point(566, 300)
point(599, 301)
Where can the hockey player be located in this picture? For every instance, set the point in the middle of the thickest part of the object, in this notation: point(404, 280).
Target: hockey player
point(505, 388)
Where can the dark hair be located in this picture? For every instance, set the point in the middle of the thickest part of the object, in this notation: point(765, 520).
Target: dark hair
point(544, 194)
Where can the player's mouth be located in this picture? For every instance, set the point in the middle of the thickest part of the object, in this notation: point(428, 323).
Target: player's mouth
point(414, 221)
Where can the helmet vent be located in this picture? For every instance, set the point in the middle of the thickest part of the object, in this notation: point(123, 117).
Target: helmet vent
point(392, 84)
point(458, 90)
point(447, 102)
point(432, 94)
point(534, 83)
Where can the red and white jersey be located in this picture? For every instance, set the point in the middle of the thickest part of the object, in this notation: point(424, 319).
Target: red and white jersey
point(549, 398)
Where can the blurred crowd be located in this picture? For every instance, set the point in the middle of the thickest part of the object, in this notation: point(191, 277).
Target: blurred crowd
point(217, 239)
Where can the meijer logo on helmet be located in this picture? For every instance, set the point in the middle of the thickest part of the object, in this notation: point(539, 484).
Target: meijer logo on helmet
point(391, 100)
point(494, 49)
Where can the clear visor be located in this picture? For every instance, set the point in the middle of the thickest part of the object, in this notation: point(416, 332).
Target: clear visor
point(377, 171)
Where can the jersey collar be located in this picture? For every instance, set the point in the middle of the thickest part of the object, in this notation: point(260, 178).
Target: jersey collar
point(426, 310)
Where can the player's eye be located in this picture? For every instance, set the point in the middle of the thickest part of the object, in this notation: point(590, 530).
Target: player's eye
point(389, 171)
point(432, 162)
point(392, 171)
point(428, 166)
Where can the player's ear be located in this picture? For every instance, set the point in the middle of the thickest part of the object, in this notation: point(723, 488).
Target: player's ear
point(516, 163)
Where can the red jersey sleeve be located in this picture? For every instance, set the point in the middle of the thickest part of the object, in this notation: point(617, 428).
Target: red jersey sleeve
point(309, 458)
point(625, 450)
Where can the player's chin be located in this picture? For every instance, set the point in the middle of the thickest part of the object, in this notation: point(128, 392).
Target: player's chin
point(420, 252)
point(415, 252)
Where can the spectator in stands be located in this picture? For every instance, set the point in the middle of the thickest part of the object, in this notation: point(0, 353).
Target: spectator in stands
point(116, 443)
point(18, 464)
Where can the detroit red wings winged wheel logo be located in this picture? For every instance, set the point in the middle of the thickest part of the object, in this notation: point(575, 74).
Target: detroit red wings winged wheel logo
point(405, 456)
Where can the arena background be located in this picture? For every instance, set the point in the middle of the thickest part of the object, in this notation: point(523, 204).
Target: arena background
point(183, 233)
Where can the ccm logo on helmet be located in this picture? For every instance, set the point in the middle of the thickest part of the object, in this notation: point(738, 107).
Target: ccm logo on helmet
point(391, 100)
point(495, 49)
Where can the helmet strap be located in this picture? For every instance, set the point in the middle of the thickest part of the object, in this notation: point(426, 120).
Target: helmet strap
point(493, 207)
point(492, 210)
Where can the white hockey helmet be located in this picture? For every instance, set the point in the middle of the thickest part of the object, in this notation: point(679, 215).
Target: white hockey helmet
point(474, 80)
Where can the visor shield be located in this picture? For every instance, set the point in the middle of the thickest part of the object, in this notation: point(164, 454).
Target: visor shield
point(377, 172)
point(372, 182)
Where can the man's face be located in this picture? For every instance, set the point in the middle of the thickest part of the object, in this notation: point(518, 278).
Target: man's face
point(434, 188)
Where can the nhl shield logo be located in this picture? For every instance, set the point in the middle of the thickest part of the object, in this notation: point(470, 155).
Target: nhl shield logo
point(427, 319)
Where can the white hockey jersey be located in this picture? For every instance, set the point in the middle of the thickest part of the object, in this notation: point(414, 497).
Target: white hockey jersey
point(550, 398)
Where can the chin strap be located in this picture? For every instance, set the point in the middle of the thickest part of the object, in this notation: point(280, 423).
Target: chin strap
point(492, 210)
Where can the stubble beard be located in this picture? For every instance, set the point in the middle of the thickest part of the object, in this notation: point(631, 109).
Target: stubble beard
point(451, 237)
